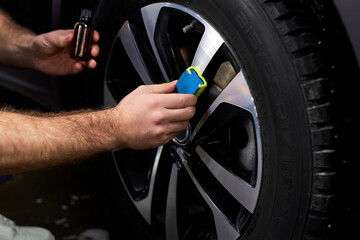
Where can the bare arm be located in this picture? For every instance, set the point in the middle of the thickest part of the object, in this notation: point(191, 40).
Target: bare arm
point(31, 142)
point(14, 42)
point(148, 117)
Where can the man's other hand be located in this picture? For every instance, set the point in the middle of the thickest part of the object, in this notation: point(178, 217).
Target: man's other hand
point(51, 53)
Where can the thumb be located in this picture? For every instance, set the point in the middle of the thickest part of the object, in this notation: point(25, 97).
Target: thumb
point(60, 38)
point(163, 87)
point(67, 39)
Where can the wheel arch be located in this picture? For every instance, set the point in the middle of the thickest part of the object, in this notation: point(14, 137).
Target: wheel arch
point(348, 12)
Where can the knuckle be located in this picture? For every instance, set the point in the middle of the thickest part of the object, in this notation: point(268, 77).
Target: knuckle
point(189, 100)
point(194, 100)
point(182, 101)
point(166, 139)
point(191, 111)
point(188, 113)
point(159, 132)
point(153, 103)
point(141, 88)
point(159, 117)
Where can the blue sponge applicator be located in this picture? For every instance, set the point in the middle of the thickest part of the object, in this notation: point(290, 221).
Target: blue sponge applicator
point(191, 82)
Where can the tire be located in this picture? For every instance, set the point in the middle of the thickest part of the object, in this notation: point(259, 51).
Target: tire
point(258, 159)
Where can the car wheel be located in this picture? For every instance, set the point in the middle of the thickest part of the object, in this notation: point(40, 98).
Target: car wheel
point(257, 160)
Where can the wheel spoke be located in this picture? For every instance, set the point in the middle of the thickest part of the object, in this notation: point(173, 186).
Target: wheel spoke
point(171, 210)
point(224, 229)
point(150, 16)
point(236, 93)
point(144, 205)
point(242, 191)
point(109, 100)
point(131, 47)
point(209, 45)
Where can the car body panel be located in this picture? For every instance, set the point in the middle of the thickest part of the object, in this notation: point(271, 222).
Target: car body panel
point(36, 86)
point(349, 11)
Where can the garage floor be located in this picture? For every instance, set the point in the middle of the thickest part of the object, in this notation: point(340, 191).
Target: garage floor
point(67, 200)
point(73, 201)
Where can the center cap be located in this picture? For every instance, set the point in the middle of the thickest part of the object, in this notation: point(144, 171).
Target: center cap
point(183, 137)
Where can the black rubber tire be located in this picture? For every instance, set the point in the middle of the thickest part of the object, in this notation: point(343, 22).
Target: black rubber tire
point(282, 50)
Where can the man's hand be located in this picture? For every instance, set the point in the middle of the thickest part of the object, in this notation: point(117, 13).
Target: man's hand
point(152, 115)
point(50, 53)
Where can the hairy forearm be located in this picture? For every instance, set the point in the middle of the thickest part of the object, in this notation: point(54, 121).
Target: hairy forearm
point(14, 43)
point(29, 142)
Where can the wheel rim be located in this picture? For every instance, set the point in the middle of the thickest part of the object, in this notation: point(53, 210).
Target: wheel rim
point(204, 184)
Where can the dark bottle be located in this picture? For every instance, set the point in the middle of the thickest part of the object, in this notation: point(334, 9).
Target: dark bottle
point(83, 32)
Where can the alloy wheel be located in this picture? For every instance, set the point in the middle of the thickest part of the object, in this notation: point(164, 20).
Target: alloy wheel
point(206, 182)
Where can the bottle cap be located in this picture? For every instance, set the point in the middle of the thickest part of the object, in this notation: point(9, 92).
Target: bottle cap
point(85, 14)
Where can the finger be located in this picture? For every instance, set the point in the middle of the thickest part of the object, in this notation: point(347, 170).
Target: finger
point(173, 130)
point(77, 67)
point(96, 36)
point(95, 49)
point(91, 63)
point(177, 100)
point(177, 127)
point(60, 38)
point(179, 115)
point(160, 88)
point(68, 39)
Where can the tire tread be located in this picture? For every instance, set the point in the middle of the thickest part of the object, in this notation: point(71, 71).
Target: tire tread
point(302, 33)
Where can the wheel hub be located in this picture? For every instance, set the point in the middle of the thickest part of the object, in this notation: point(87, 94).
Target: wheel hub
point(184, 137)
